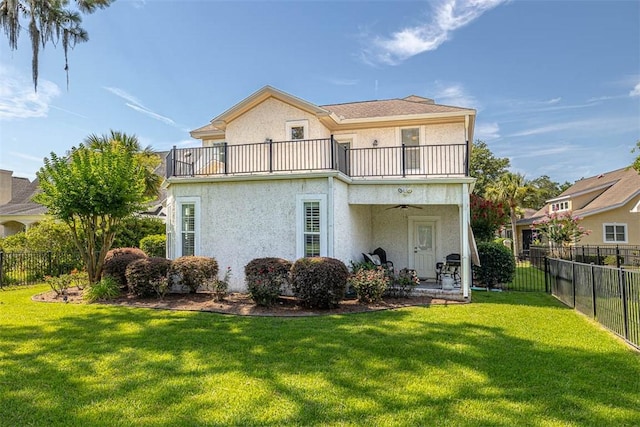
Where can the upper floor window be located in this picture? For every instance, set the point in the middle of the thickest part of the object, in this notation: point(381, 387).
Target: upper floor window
point(410, 138)
point(560, 206)
point(615, 233)
point(297, 130)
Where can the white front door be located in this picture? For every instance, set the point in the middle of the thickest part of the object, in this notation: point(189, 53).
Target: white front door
point(424, 258)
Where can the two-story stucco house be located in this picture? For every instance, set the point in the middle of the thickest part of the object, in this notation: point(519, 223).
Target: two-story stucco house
point(278, 176)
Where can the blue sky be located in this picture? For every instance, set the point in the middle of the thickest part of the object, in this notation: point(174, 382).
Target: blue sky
point(556, 84)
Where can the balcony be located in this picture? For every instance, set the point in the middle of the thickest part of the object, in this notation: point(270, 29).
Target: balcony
point(309, 155)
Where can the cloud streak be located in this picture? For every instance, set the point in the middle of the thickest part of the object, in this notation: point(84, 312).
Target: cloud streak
point(19, 101)
point(449, 16)
point(136, 105)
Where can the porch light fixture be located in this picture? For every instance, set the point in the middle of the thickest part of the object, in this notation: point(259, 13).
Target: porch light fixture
point(375, 143)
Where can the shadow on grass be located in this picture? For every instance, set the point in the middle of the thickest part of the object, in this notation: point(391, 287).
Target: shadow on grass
point(82, 365)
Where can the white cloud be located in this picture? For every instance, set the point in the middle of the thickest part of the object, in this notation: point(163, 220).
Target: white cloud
point(135, 104)
point(25, 156)
point(449, 15)
point(18, 100)
point(487, 131)
point(343, 82)
point(453, 94)
point(635, 91)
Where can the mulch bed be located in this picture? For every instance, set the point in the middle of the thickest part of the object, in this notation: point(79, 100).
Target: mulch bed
point(241, 304)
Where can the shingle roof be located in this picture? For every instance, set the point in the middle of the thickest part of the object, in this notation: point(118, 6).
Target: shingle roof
point(617, 188)
point(390, 107)
point(22, 191)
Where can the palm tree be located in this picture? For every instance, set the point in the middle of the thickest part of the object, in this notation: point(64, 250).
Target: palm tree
point(512, 190)
point(146, 157)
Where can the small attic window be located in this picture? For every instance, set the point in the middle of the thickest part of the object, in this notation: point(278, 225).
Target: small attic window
point(560, 206)
point(297, 130)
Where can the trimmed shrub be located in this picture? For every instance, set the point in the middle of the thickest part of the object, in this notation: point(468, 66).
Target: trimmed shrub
point(369, 285)
point(116, 262)
point(194, 271)
point(145, 276)
point(104, 290)
point(319, 282)
point(265, 278)
point(219, 287)
point(154, 245)
point(59, 284)
point(497, 265)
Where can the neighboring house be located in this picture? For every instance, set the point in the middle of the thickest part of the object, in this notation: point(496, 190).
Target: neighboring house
point(608, 203)
point(278, 176)
point(18, 212)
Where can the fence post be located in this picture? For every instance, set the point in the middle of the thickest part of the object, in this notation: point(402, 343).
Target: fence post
point(598, 255)
point(623, 295)
point(617, 256)
point(546, 275)
point(593, 289)
point(404, 171)
point(333, 154)
point(270, 155)
point(226, 157)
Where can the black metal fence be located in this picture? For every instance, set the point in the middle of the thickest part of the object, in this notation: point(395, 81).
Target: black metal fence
point(317, 155)
point(24, 268)
point(609, 295)
point(529, 275)
point(611, 255)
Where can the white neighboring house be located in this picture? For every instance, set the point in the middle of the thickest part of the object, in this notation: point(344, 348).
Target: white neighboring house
point(277, 176)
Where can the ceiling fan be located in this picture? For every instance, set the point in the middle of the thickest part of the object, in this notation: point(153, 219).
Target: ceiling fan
point(404, 207)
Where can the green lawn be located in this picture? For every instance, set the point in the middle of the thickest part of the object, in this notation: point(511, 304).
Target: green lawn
point(507, 359)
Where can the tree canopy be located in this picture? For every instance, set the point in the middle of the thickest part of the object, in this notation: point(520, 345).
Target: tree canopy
point(485, 167)
point(92, 190)
point(543, 189)
point(46, 22)
point(636, 163)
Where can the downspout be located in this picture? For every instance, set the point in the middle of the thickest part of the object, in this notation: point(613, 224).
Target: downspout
point(330, 219)
point(464, 241)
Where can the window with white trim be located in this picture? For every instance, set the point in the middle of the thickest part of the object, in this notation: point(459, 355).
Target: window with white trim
point(312, 225)
point(615, 233)
point(188, 219)
point(297, 130)
point(560, 206)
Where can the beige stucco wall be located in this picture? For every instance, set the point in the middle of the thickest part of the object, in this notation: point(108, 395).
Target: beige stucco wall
point(268, 120)
point(240, 221)
point(620, 215)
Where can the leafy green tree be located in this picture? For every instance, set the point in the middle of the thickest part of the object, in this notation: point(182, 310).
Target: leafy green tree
point(636, 163)
point(145, 157)
point(544, 189)
point(46, 21)
point(485, 167)
point(513, 191)
point(92, 191)
point(132, 230)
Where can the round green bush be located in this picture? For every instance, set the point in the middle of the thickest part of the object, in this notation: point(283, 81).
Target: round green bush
point(194, 271)
point(497, 264)
point(154, 245)
point(319, 282)
point(116, 262)
point(265, 278)
point(146, 277)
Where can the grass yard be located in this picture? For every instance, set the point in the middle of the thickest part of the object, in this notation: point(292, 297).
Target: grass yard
point(507, 359)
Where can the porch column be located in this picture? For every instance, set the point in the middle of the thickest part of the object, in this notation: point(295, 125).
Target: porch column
point(465, 256)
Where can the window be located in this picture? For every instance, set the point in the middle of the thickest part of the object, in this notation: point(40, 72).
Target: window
point(560, 206)
point(411, 139)
point(615, 233)
point(297, 130)
point(312, 228)
point(188, 226)
point(188, 229)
